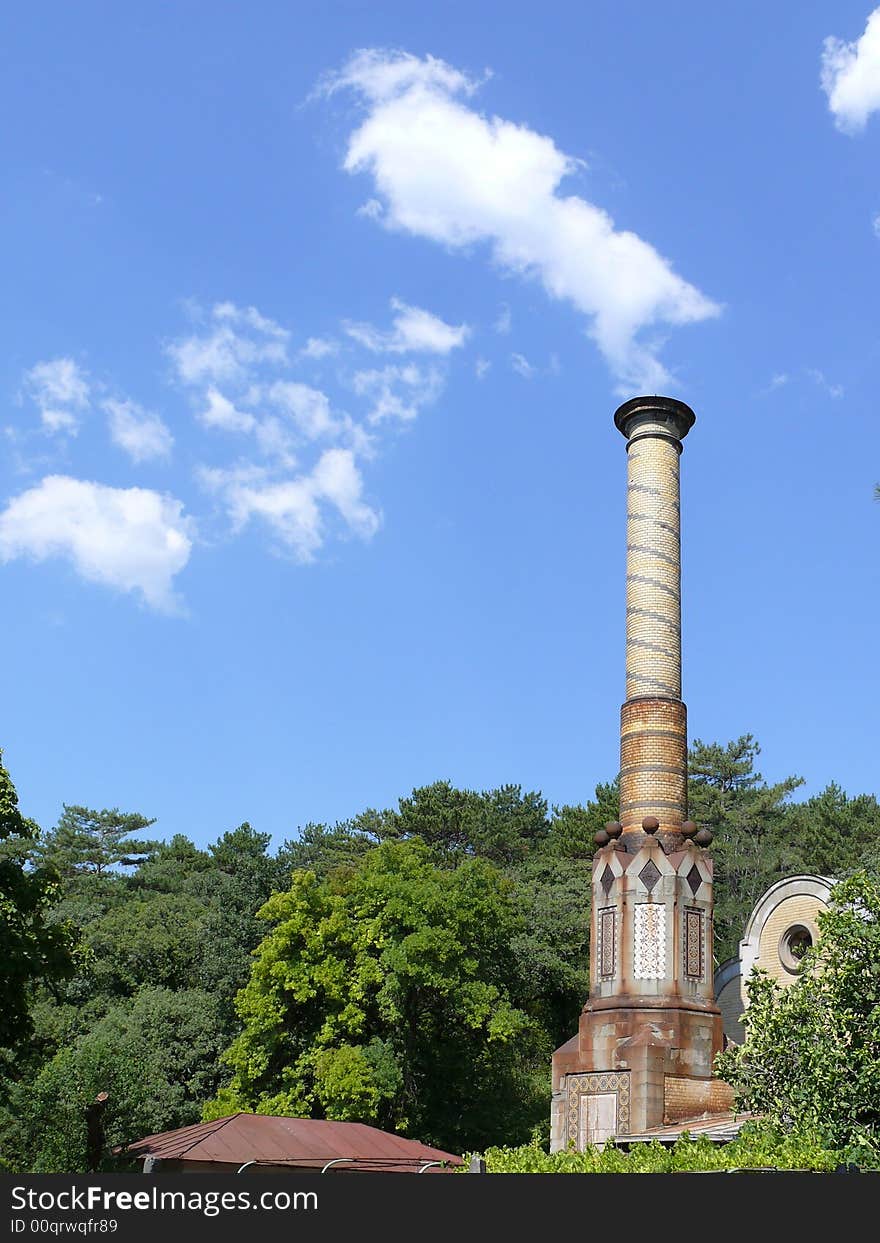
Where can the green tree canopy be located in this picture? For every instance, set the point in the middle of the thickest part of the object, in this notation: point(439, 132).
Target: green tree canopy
point(92, 843)
point(811, 1057)
point(748, 817)
point(32, 949)
point(157, 1058)
point(831, 834)
point(389, 995)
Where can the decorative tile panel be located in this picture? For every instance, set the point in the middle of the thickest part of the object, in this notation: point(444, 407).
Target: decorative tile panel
point(649, 948)
point(693, 944)
point(607, 942)
point(591, 1084)
point(649, 875)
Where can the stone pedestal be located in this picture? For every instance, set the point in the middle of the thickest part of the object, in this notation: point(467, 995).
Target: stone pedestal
point(650, 1030)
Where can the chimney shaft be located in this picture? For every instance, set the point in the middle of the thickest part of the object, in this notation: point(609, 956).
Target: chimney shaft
point(653, 728)
point(651, 1028)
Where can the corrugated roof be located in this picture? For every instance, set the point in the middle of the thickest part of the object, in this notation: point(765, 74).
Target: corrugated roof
point(720, 1128)
point(305, 1142)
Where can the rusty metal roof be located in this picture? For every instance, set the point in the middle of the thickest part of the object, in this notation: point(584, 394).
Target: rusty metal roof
point(720, 1128)
point(307, 1143)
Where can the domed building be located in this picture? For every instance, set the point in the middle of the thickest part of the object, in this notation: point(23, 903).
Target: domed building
point(779, 931)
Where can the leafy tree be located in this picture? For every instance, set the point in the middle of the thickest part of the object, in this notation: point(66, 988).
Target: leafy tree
point(551, 894)
point(171, 867)
point(831, 834)
point(748, 818)
point(153, 938)
point(31, 948)
point(241, 877)
point(572, 827)
point(389, 995)
point(88, 842)
point(321, 849)
point(811, 1057)
point(502, 825)
point(156, 1056)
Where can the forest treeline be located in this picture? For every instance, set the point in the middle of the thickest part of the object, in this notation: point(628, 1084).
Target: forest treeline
point(411, 967)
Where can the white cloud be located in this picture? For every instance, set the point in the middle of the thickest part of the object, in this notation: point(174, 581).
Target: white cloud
point(502, 323)
point(398, 392)
point(250, 316)
point(132, 539)
point(875, 224)
point(819, 378)
point(236, 341)
point(522, 366)
point(221, 412)
point(448, 173)
point(141, 434)
point(295, 509)
point(372, 209)
point(60, 390)
point(781, 378)
point(850, 76)
point(308, 408)
point(481, 366)
point(414, 331)
point(318, 347)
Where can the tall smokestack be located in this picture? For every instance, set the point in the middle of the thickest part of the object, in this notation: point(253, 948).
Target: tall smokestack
point(653, 722)
point(650, 1029)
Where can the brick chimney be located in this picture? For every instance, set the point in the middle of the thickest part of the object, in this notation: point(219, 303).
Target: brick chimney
point(653, 721)
point(650, 1029)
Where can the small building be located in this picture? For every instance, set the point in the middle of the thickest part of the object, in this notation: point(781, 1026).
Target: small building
point(246, 1143)
point(779, 931)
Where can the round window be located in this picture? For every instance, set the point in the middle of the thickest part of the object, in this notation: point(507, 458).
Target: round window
point(793, 945)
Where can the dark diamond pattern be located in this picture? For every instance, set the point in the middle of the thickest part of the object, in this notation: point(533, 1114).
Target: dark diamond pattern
point(607, 879)
point(649, 875)
point(694, 879)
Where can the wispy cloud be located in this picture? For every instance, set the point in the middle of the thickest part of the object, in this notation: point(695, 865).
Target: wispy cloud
point(60, 390)
point(131, 539)
point(522, 366)
point(481, 366)
point(413, 331)
point(819, 378)
point(143, 435)
point(236, 339)
point(219, 412)
point(398, 392)
point(503, 322)
point(318, 347)
point(446, 172)
point(296, 457)
point(850, 76)
point(296, 509)
point(308, 409)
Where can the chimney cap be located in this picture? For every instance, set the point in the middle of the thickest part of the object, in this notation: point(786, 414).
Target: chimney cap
point(675, 419)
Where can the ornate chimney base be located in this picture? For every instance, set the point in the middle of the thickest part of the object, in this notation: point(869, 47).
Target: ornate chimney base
point(650, 1032)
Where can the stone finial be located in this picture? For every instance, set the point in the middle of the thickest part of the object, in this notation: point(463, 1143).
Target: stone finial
point(613, 828)
point(650, 824)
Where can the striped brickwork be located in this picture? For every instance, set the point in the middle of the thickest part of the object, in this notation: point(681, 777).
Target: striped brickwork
point(653, 762)
point(653, 570)
point(653, 723)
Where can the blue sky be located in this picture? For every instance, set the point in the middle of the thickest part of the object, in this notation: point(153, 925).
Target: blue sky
point(315, 318)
